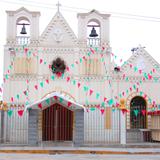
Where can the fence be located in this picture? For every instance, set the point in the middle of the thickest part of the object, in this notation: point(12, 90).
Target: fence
point(101, 127)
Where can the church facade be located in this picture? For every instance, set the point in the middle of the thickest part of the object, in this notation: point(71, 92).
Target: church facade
point(63, 88)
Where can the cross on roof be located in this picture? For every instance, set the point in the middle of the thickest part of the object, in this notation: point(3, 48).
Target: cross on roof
point(58, 5)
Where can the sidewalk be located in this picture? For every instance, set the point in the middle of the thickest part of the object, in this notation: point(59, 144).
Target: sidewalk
point(80, 150)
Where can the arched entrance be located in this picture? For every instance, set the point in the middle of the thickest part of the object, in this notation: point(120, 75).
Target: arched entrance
point(57, 123)
point(137, 118)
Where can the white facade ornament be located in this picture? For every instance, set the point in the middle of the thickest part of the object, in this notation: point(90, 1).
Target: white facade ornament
point(58, 35)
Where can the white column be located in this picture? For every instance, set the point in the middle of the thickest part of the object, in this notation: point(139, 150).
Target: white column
point(122, 127)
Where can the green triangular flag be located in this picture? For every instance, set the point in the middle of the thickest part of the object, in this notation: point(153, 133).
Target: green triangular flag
point(41, 84)
point(92, 109)
point(135, 69)
point(72, 65)
point(6, 76)
point(110, 102)
point(9, 113)
point(10, 66)
point(47, 101)
point(80, 60)
point(134, 86)
point(103, 104)
point(27, 103)
point(60, 100)
point(74, 82)
point(136, 112)
point(97, 95)
point(17, 96)
point(52, 77)
point(85, 88)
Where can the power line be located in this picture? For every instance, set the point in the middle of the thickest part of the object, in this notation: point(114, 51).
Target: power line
point(74, 9)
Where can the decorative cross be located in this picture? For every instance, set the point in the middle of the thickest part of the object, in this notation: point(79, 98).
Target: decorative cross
point(58, 5)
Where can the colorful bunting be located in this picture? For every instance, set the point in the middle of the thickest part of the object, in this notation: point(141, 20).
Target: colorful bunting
point(40, 105)
point(20, 112)
point(10, 112)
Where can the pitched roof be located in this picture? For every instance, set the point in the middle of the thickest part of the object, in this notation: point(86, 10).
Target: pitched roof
point(140, 52)
point(58, 21)
point(53, 98)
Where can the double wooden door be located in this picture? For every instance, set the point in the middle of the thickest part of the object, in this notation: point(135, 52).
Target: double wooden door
point(57, 124)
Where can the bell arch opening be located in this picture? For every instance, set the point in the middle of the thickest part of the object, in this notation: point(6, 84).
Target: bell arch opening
point(138, 120)
point(93, 32)
point(22, 30)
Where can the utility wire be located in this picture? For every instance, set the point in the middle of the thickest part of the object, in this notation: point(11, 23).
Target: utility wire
point(74, 9)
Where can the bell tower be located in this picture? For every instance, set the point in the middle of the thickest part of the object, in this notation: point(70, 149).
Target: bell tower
point(22, 27)
point(93, 28)
point(93, 33)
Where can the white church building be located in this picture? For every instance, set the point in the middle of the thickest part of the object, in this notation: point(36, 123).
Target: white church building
point(60, 88)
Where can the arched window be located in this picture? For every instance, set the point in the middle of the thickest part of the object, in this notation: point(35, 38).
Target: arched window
point(137, 118)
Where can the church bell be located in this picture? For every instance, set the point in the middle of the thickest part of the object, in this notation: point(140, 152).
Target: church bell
point(23, 31)
point(93, 33)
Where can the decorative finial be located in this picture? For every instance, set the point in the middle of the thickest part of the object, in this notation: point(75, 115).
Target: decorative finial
point(58, 5)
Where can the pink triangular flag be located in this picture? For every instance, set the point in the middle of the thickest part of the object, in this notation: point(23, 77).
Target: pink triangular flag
point(84, 58)
point(102, 111)
point(153, 70)
point(47, 81)
point(25, 92)
point(67, 68)
point(124, 111)
point(105, 99)
point(25, 50)
point(40, 105)
point(98, 106)
point(90, 92)
point(11, 99)
point(68, 78)
point(36, 87)
point(0, 89)
point(130, 65)
point(140, 71)
point(20, 112)
point(78, 84)
point(149, 77)
point(143, 112)
point(58, 74)
point(69, 104)
point(55, 97)
point(49, 66)
point(40, 61)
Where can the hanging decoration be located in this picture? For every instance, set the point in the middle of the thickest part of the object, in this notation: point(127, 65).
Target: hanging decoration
point(28, 53)
point(58, 67)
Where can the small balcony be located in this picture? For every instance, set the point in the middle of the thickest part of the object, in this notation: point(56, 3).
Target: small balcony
point(94, 42)
point(22, 40)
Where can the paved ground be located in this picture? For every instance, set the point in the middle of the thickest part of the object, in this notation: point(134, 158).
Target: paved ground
point(4, 156)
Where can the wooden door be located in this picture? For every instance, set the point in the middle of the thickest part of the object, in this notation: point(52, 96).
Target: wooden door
point(57, 124)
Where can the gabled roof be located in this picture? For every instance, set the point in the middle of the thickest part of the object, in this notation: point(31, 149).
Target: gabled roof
point(140, 52)
point(53, 98)
point(93, 11)
point(23, 9)
point(58, 21)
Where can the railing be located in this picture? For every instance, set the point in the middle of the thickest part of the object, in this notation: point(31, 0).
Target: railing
point(22, 40)
point(93, 42)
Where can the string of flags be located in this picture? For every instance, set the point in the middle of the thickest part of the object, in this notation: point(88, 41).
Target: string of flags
point(86, 89)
